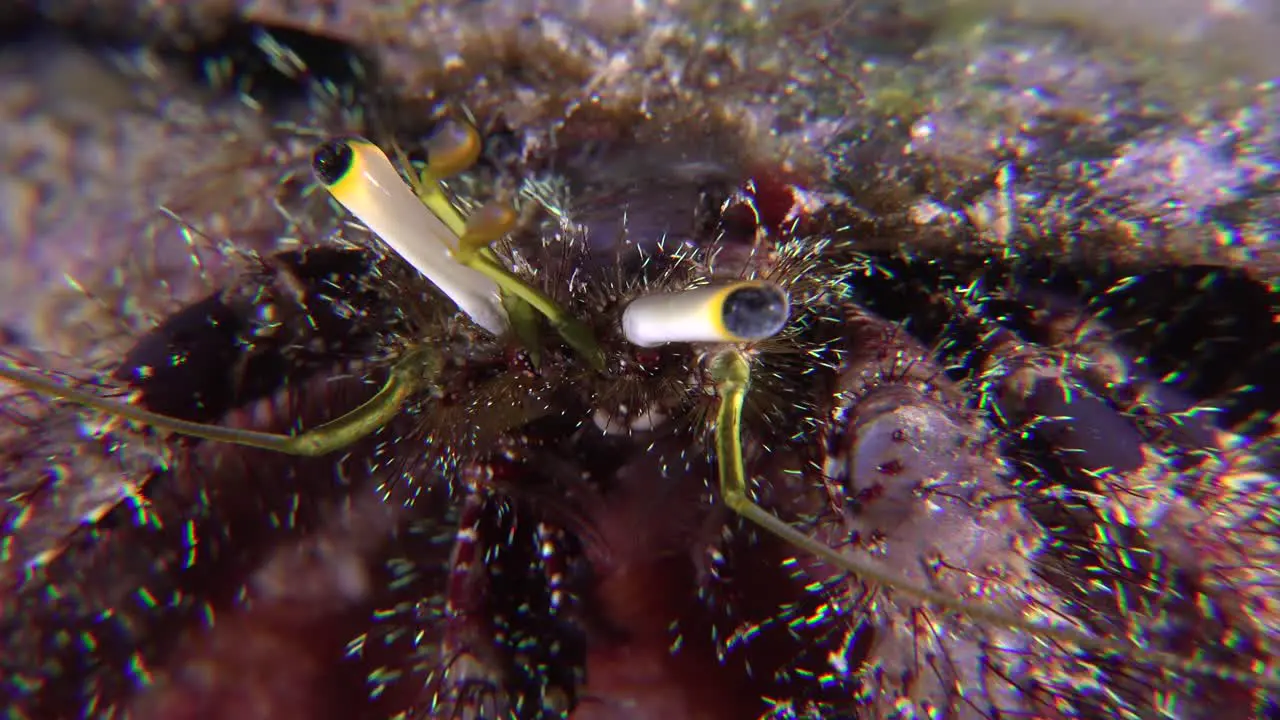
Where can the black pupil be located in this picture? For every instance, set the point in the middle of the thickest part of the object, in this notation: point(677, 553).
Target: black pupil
point(332, 160)
point(755, 312)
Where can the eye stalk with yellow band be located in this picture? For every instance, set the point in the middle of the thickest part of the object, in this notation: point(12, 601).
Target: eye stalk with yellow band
point(363, 180)
point(740, 312)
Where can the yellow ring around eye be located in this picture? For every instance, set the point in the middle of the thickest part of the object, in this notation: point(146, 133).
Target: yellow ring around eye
point(750, 311)
point(346, 166)
point(745, 311)
point(332, 160)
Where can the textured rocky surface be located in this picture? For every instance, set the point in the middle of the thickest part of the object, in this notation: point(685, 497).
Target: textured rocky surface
point(1104, 144)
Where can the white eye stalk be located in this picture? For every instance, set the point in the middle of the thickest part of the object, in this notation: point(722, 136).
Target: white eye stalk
point(741, 312)
point(360, 176)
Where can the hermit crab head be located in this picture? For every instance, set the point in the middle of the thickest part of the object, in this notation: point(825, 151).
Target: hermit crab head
point(904, 508)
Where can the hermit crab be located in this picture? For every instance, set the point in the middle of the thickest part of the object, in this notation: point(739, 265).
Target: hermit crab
point(634, 477)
